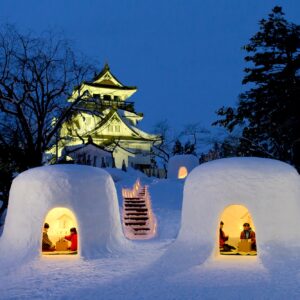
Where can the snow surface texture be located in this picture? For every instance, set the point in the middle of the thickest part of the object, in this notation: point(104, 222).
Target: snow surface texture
point(88, 192)
point(270, 190)
point(160, 268)
point(178, 161)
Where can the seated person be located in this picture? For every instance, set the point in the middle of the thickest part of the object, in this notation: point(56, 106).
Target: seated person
point(72, 238)
point(47, 245)
point(248, 233)
point(222, 239)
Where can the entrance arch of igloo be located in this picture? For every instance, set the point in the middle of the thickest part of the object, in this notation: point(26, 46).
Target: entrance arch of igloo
point(179, 166)
point(270, 190)
point(60, 221)
point(87, 191)
point(233, 217)
point(182, 172)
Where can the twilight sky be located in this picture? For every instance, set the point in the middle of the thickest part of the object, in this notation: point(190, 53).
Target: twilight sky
point(184, 56)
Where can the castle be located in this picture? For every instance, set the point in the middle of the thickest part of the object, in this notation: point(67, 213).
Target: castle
point(103, 131)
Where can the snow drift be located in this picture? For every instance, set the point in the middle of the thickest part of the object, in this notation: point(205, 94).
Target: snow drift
point(88, 192)
point(269, 189)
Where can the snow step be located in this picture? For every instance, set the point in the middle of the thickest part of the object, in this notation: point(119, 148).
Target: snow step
point(136, 209)
point(139, 221)
point(137, 218)
point(136, 214)
point(135, 205)
point(140, 233)
point(139, 229)
point(135, 223)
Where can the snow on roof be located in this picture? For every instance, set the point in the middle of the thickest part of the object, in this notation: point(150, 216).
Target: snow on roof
point(128, 114)
point(88, 192)
point(142, 134)
point(177, 161)
point(91, 148)
point(270, 190)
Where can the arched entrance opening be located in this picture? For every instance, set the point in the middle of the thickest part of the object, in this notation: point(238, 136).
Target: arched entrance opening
point(60, 232)
point(237, 231)
point(182, 173)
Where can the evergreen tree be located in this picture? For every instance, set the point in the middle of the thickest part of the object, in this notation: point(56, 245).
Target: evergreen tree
point(189, 148)
point(177, 148)
point(267, 111)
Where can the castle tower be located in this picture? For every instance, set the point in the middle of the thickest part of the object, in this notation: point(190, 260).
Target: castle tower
point(107, 120)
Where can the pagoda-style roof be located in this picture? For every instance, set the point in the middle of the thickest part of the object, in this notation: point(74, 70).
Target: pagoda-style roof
point(136, 134)
point(105, 83)
point(106, 117)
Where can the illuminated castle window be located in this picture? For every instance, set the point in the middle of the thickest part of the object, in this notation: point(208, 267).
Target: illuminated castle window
point(60, 221)
point(234, 217)
point(182, 172)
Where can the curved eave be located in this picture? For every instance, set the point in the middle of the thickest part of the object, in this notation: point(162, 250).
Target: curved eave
point(100, 89)
point(112, 87)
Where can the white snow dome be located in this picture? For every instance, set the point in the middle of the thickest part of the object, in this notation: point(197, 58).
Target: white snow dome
point(179, 166)
point(87, 193)
point(268, 191)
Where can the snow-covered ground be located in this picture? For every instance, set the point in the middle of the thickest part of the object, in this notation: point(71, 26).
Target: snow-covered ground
point(161, 268)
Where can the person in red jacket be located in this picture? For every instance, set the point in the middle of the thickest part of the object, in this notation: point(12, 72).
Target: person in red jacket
point(72, 238)
point(223, 239)
point(248, 233)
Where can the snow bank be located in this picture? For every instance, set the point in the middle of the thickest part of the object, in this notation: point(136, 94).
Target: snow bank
point(88, 192)
point(189, 162)
point(270, 190)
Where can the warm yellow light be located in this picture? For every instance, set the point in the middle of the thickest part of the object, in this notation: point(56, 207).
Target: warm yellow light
point(234, 216)
point(182, 172)
point(60, 220)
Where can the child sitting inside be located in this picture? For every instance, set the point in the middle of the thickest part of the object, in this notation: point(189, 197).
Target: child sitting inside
point(72, 238)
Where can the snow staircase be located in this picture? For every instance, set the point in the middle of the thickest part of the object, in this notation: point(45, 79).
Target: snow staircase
point(139, 222)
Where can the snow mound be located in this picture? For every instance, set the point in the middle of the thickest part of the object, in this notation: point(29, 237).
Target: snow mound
point(119, 175)
point(88, 192)
point(269, 189)
point(186, 163)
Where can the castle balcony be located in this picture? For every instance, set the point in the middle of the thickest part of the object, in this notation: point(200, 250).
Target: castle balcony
point(112, 103)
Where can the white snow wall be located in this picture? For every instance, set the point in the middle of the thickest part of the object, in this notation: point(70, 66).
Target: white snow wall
point(270, 190)
point(88, 192)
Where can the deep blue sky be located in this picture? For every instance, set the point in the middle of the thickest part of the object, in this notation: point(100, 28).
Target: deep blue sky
point(184, 56)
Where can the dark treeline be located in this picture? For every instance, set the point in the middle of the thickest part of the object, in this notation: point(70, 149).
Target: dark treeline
point(267, 114)
point(37, 75)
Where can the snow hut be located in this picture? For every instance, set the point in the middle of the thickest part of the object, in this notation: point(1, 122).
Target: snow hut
point(89, 193)
point(180, 166)
point(269, 191)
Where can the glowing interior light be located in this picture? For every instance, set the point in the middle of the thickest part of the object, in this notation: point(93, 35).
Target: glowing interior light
point(60, 220)
point(182, 172)
point(234, 216)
